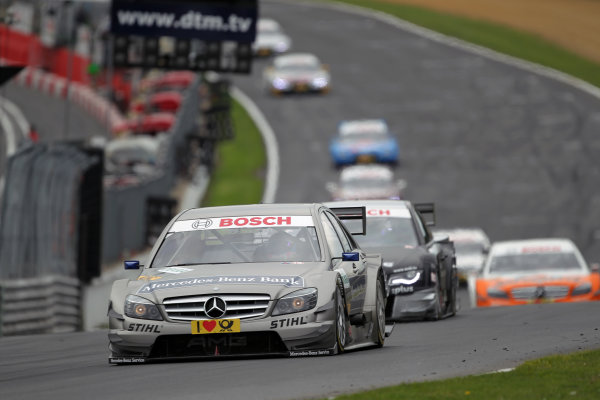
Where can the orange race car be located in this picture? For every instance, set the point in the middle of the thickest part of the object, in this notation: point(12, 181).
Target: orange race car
point(535, 271)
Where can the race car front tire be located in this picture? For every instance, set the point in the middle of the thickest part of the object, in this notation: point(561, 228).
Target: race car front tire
point(341, 321)
point(380, 312)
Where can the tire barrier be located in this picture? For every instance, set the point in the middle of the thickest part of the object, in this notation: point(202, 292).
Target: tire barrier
point(49, 304)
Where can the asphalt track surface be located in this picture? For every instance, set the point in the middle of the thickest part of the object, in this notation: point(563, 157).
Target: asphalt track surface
point(74, 366)
point(492, 145)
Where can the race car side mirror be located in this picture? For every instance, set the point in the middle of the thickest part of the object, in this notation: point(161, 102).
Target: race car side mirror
point(441, 238)
point(350, 257)
point(132, 264)
point(595, 267)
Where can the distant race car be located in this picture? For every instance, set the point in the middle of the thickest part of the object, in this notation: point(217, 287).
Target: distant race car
point(419, 268)
point(364, 141)
point(270, 38)
point(535, 271)
point(364, 182)
point(169, 81)
point(276, 279)
point(297, 73)
point(472, 246)
point(168, 101)
point(148, 124)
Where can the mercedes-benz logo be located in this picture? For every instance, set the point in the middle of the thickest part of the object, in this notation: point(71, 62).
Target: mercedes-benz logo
point(202, 223)
point(215, 307)
point(540, 292)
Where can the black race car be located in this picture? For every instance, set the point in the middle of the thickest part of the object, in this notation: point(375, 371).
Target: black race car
point(420, 270)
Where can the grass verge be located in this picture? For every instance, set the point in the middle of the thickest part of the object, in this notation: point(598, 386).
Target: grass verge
point(238, 177)
point(505, 40)
point(574, 376)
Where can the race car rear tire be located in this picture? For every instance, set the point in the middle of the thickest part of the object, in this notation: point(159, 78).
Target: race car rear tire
point(380, 313)
point(341, 321)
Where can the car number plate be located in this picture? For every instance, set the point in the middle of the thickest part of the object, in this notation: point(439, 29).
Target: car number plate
point(202, 327)
point(365, 158)
point(302, 87)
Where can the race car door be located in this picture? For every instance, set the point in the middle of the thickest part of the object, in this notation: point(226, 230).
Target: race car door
point(356, 271)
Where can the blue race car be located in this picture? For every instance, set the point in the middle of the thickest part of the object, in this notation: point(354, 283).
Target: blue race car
point(364, 141)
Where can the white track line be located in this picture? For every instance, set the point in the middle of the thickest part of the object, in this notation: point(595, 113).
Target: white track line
point(269, 140)
point(17, 114)
point(457, 43)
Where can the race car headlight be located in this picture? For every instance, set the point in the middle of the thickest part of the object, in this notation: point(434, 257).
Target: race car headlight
point(138, 307)
point(280, 83)
point(300, 300)
point(584, 288)
point(320, 82)
point(405, 278)
point(282, 46)
point(497, 293)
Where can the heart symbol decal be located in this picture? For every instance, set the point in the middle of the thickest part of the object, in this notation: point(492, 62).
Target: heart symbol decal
point(209, 325)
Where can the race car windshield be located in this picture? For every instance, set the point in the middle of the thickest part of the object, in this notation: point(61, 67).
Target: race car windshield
point(299, 68)
point(371, 183)
point(357, 137)
point(243, 245)
point(534, 263)
point(384, 232)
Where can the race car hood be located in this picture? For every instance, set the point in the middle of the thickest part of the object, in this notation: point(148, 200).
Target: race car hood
point(273, 278)
point(271, 41)
point(300, 76)
point(470, 261)
point(395, 259)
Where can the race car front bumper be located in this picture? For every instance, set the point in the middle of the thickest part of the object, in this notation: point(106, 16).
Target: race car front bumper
point(300, 334)
point(417, 305)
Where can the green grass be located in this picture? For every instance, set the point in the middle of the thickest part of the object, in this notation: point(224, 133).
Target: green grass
point(506, 40)
point(238, 177)
point(575, 376)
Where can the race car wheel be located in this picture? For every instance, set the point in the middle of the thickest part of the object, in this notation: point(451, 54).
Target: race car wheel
point(341, 324)
point(452, 307)
point(380, 313)
point(437, 313)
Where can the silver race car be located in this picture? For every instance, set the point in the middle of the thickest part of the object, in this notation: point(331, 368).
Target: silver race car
point(297, 73)
point(246, 280)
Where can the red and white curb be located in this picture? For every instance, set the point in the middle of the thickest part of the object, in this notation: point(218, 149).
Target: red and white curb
point(53, 85)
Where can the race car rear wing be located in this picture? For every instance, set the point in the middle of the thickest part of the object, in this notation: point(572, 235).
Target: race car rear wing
point(427, 211)
point(352, 213)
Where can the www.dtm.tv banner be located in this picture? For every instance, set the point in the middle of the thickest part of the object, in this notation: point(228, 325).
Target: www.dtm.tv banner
point(225, 20)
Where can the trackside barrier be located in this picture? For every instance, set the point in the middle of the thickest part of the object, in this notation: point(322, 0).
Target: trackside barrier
point(124, 219)
point(49, 304)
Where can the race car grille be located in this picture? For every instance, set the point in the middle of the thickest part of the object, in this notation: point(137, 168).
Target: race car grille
point(212, 345)
point(533, 292)
point(240, 306)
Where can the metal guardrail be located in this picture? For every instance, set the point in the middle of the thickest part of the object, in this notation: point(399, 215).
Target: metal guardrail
point(40, 305)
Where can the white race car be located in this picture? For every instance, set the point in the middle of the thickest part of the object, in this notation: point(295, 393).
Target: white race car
point(270, 38)
point(297, 73)
point(367, 182)
point(472, 246)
